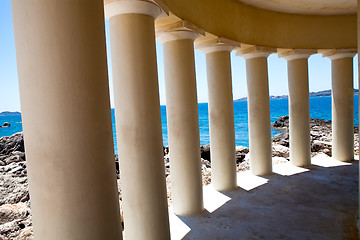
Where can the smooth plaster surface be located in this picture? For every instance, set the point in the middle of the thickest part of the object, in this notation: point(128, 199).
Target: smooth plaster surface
point(342, 109)
point(183, 126)
point(299, 113)
point(294, 203)
point(138, 123)
point(322, 7)
point(358, 47)
point(251, 25)
point(259, 115)
point(221, 120)
point(65, 105)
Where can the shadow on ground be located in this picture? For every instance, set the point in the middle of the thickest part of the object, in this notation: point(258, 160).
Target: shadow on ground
point(318, 203)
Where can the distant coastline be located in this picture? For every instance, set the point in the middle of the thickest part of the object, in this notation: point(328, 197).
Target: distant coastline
point(7, 113)
point(325, 93)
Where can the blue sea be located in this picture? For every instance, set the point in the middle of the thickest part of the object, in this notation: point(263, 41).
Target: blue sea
point(320, 107)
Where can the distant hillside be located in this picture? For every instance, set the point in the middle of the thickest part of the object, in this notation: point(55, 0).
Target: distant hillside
point(325, 93)
point(7, 113)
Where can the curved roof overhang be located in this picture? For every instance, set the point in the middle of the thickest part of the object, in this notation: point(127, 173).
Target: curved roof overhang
point(248, 24)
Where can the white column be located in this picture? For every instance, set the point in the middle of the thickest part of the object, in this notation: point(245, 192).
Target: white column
point(221, 117)
point(258, 113)
point(65, 104)
point(358, 50)
point(183, 122)
point(342, 106)
point(299, 113)
point(138, 118)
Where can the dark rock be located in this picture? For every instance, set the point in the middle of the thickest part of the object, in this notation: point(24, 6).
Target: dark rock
point(13, 143)
point(205, 163)
point(167, 161)
point(281, 122)
point(205, 152)
point(20, 154)
point(282, 139)
point(10, 212)
point(320, 130)
point(319, 123)
point(166, 150)
point(242, 149)
point(317, 146)
point(13, 159)
point(280, 151)
point(26, 234)
point(167, 165)
point(240, 153)
point(13, 189)
point(280, 136)
point(245, 164)
point(285, 143)
point(320, 135)
point(6, 124)
point(315, 135)
point(117, 167)
point(16, 170)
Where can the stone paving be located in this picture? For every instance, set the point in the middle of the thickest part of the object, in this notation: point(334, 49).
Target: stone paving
point(315, 203)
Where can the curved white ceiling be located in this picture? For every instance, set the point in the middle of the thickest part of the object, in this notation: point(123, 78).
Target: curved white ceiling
point(323, 7)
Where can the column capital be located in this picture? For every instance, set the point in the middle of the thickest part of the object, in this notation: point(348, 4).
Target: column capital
point(215, 48)
point(118, 7)
point(334, 54)
point(292, 54)
point(211, 43)
point(173, 28)
point(164, 37)
point(250, 51)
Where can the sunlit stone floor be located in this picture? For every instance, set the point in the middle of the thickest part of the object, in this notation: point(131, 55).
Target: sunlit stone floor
point(315, 203)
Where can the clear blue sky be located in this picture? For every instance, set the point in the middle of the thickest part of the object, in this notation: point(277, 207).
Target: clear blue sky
point(319, 70)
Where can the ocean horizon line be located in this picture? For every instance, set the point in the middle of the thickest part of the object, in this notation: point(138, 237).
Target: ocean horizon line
point(321, 93)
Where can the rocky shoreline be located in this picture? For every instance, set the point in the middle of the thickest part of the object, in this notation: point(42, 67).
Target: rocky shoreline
point(320, 135)
point(15, 216)
point(15, 213)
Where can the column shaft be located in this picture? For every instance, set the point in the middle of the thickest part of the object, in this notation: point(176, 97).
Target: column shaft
point(342, 109)
point(300, 153)
point(259, 116)
point(183, 127)
point(221, 119)
point(358, 50)
point(65, 106)
point(138, 126)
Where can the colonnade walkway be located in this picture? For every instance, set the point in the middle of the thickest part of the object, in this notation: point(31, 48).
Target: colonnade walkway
point(315, 203)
